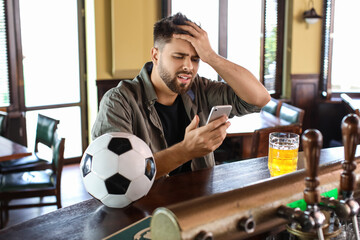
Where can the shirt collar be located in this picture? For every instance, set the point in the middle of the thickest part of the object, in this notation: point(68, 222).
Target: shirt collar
point(149, 92)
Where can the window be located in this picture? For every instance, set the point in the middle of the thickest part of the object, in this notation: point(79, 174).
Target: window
point(249, 33)
point(4, 66)
point(244, 34)
point(46, 64)
point(340, 48)
point(273, 45)
point(206, 19)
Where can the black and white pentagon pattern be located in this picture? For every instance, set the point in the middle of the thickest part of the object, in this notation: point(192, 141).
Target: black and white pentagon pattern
point(119, 145)
point(118, 168)
point(117, 184)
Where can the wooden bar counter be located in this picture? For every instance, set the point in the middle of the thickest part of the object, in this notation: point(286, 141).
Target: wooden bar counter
point(92, 220)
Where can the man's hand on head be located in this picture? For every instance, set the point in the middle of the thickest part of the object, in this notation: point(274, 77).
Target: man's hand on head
point(198, 39)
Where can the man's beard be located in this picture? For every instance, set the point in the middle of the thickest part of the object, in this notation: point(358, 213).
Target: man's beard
point(172, 82)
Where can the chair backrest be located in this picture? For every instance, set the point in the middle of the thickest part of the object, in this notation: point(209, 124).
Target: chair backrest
point(349, 103)
point(273, 107)
point(45, 130)
point(260, 139)
point(3, 122)
point(58, 147)
point(291, 113)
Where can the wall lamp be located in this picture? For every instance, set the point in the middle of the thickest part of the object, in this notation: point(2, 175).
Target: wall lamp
point(311, 16)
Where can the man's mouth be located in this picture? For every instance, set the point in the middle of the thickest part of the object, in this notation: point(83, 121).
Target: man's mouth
point(184, 78)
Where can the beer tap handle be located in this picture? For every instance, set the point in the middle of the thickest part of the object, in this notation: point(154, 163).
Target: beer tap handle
point(312, 144)
point(350, 126)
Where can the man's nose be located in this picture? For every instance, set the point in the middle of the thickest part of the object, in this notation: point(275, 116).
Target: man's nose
point(188, 65)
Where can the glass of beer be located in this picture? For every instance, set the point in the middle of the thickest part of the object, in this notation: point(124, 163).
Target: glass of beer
point(283, 153)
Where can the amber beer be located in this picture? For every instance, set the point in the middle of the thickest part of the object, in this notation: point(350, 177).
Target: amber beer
point(283, 153)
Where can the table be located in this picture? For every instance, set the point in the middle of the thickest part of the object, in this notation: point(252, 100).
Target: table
point(247, 124)
point(10, 150)
point(353, 104)
point(239, 134)
point(92, 220)
point(356, 105)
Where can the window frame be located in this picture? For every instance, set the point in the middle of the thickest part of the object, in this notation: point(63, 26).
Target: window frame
point(13, 48)
point(326, 42)
point(325, 91)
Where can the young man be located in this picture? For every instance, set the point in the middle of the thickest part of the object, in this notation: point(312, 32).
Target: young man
point(167, 104)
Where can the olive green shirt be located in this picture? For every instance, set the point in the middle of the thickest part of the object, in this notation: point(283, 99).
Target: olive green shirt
point(129, 107)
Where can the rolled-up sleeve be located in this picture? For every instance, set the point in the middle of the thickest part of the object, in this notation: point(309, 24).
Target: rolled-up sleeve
point(220, 93)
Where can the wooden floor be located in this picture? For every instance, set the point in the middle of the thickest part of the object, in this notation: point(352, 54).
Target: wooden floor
point(72, 191)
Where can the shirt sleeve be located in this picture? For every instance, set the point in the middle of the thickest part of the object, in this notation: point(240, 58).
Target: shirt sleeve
point(220, 93)
point(113, 116)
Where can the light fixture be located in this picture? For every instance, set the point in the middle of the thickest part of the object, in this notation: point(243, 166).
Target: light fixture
point(311, 16)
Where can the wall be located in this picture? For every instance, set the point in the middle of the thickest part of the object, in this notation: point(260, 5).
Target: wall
point(124, 36)
point(305, 51)
point(306, 39)
point(119, 39)
point(103, 38)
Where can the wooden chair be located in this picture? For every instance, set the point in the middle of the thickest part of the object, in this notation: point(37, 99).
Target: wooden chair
point(45, 131)
point(3, 122)
point(32, 184)
point(260, 138)
point(273, 107)
point(349, 103)
point(292, 114)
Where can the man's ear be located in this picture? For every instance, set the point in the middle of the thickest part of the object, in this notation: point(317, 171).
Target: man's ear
point(155, 55)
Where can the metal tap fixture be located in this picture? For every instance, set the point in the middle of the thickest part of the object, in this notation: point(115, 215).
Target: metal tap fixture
point(350, 128)
point(254, 209)
point(312, 219)
point(346, 208)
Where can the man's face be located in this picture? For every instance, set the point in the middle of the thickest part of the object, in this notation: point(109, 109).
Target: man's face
point(178, 65)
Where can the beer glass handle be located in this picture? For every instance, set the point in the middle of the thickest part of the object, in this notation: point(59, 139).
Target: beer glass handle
point(350, 127)
point(312, 143)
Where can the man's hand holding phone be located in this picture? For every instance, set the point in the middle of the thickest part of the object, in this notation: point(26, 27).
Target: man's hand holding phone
point(200, 141)
point(218, 111)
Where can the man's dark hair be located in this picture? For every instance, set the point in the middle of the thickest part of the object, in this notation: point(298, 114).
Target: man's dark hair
point(166, 27)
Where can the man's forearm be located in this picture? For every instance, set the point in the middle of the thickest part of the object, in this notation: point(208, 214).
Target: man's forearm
point(169, 159)
point(242, 81)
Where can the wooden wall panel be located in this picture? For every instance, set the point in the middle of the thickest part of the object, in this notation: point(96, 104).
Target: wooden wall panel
point(304, 94)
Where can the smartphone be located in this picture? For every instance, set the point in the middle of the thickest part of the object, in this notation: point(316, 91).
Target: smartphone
point(218, 111)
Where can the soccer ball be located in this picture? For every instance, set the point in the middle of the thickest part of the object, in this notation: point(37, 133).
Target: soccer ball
point(118, 168)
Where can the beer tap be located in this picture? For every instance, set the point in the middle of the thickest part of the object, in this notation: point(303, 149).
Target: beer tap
point(312, 218)
point(312, 144)
point(346, 207)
